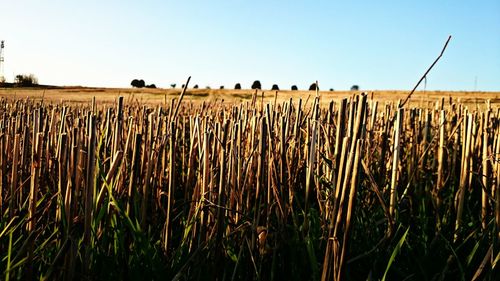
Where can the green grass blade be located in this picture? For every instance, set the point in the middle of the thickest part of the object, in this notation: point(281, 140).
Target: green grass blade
point(9, 253)
point(395, 253)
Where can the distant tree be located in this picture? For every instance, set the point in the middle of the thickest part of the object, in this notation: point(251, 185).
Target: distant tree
point(355, 88)
point(26, 80)
point(173, 85)
point(294, 88)
point(182, 86)
point(195, 86)
point(151, 86)
point(237, 86)
point(221, 87)
point(136, 83)
point(331, 90)
point(256, 85)
point(275, 87)
point(313, 87)
point(208, 87)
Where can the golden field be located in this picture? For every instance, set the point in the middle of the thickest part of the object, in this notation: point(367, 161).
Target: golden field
point(129, 184)
point(157, 96)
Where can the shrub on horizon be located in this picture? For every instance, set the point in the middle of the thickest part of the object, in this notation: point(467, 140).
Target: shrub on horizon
point(256, 85)
point(26, 80)
point(313, 87)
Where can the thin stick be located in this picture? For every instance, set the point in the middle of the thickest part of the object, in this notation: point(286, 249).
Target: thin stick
point(425, 74)
point(180, 99)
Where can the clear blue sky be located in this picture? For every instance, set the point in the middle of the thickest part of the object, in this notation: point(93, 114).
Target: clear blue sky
point(376, 44)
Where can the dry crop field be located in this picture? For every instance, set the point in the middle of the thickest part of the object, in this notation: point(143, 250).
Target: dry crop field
point(108, 96)
point(286, 186)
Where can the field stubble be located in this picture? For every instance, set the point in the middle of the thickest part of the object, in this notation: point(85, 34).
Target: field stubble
point(332, 187)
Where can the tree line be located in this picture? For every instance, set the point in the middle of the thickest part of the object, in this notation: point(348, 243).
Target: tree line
point(256, 85)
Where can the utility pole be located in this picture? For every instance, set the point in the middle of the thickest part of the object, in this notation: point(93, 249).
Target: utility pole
point(2, 46)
